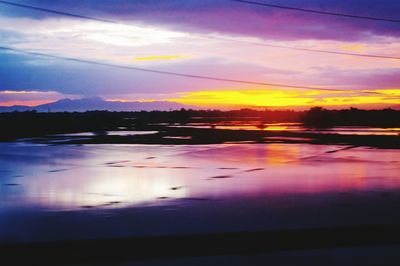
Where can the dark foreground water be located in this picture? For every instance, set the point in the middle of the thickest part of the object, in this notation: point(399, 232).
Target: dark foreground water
point(71, 192)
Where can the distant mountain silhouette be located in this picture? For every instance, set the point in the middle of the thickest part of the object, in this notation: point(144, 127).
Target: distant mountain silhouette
point(96, 103)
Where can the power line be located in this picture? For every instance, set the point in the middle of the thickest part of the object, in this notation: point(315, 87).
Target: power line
point(303, 49)
point(202, 37)
point(56, 12)
point(172, 73)
point(317, 11)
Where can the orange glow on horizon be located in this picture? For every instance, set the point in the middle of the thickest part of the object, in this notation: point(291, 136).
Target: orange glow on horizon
point(26, 103)
point(255, 98)
point(287, 98)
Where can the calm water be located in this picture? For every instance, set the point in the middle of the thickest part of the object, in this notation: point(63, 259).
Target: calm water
point(51, 192)
point(296, 127)
point(251, 125)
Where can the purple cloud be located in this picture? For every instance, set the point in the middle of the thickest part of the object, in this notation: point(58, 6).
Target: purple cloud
point(224, 16)
point(360, 79)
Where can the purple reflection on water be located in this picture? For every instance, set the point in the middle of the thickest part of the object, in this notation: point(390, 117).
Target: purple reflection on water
point(141, 189)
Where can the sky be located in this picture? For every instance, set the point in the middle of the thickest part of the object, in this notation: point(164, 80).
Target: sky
point(218, 38)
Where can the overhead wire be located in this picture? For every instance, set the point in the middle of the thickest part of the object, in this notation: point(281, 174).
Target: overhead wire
point(258, 43)
point(171, 73)
point(329, 13)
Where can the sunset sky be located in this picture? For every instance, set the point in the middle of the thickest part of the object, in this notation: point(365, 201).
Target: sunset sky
point(216, 38)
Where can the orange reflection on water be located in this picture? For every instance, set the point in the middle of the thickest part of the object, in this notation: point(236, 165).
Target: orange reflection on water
point(276, 128)
point(354, 179)
point(296, 127)
point(275, 155)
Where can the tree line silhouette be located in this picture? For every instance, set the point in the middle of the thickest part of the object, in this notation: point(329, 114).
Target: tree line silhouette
point(32, 123)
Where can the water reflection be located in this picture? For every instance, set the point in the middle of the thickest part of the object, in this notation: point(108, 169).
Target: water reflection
point(296, 127)
point(109, 133)
point(114, 176)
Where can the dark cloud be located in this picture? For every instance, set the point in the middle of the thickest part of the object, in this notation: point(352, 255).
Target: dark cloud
point(230, 17)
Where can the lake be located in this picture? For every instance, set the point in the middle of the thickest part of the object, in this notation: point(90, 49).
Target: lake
point(69, 192)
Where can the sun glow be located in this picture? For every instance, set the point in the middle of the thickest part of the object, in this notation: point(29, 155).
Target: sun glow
point(125, 35)
point(160, 57)
point(357, 47)
point(286, 98)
